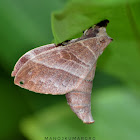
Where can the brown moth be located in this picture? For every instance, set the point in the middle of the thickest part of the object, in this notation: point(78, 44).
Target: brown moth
point(67, 68)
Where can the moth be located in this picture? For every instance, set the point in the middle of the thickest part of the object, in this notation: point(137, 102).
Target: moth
point(67, 68)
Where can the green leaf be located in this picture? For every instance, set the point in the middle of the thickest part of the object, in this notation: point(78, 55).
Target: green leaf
point(116, 117)
point(117, 114)
point(121, 58)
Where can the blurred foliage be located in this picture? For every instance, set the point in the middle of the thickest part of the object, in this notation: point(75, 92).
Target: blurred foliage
point(115, 99)
point(114, 115)
point(23, 26)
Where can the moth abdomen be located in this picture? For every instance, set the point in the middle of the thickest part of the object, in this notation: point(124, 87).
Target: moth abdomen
point(81, 105)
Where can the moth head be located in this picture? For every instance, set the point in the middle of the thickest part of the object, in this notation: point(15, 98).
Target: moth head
point(99, 34)
point(103, 39)
point(97, 30)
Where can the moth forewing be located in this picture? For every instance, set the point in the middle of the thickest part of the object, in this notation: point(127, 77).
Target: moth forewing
point(29, 55)
point(55, 71)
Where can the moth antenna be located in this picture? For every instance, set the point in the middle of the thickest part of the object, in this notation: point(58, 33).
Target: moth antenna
point(81, 105)
point(84, 32)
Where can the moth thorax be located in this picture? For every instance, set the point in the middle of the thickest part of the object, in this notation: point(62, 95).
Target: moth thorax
point(102, 32)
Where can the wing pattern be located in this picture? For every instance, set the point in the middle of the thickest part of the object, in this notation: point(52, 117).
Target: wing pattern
point(58, 70)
